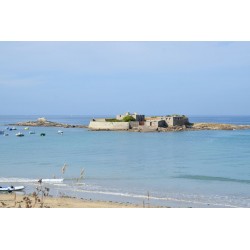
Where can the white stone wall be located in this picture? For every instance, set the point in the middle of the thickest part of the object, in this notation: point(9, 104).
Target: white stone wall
point(134, 124)
point(176, 121)
point(170, 121)
point(155, 123)
point(109, 125)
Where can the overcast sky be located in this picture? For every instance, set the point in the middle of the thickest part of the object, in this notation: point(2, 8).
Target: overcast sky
point(193, 78)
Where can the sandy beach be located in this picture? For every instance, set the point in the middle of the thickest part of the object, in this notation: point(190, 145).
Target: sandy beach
point(20, 201)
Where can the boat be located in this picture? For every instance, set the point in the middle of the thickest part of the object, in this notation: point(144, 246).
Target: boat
point(11, 188)
point(13, 128)
point(27, 128)
point(19, 134)
point(60, 132)
point(42, 134)
point(1, 132)
point(5, 134)
point(32, 132)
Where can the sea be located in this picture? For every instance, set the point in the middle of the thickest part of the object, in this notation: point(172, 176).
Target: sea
point(174, 169)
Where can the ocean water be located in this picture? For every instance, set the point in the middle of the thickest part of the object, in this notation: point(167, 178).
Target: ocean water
point(177, 169)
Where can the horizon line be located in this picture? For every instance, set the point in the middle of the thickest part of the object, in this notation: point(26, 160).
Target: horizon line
point(87, 115)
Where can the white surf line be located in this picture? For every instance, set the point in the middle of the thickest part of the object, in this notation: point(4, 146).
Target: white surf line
point(156, 198)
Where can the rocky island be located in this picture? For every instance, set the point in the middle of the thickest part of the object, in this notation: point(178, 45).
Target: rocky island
point(43, 122)
point(169, 123)
point(138, 123)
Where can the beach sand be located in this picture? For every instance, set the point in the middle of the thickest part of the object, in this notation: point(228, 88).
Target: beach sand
point(15, 201)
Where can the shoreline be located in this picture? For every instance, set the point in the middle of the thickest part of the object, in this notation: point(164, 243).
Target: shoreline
point(12, 200)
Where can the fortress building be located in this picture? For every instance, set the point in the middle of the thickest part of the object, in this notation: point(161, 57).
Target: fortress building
point(129, 121)
point(138, 118)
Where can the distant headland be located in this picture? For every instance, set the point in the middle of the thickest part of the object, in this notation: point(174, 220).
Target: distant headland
point(134, 122)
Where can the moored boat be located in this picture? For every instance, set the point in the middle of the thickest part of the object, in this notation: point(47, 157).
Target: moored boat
point(11, 188)
point(32, 132)
point(19, 134)
point(42, 134)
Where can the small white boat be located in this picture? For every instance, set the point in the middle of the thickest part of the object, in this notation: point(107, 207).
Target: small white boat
point(19, 134)
point(27, 128)
point(60, 132)
point(11, 188)
point(13, 128)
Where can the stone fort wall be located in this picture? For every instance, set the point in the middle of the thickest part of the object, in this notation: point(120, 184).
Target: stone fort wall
point(95, 125)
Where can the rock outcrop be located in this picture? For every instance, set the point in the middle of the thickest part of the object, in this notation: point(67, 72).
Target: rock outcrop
point(192, 127)
point(42, 122)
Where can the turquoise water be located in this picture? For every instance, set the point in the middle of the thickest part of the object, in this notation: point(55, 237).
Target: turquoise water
point(180, 169)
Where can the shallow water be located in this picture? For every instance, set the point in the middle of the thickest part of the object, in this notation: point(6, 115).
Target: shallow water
point(180, 169)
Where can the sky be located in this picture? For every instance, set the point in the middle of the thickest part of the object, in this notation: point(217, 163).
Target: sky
point(102, 78)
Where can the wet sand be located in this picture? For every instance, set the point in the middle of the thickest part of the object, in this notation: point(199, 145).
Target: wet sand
point(16, 201)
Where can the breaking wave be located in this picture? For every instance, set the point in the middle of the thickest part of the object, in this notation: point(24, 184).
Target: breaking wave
point(26, 180)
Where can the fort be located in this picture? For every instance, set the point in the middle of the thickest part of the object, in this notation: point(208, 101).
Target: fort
point(136, 121)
